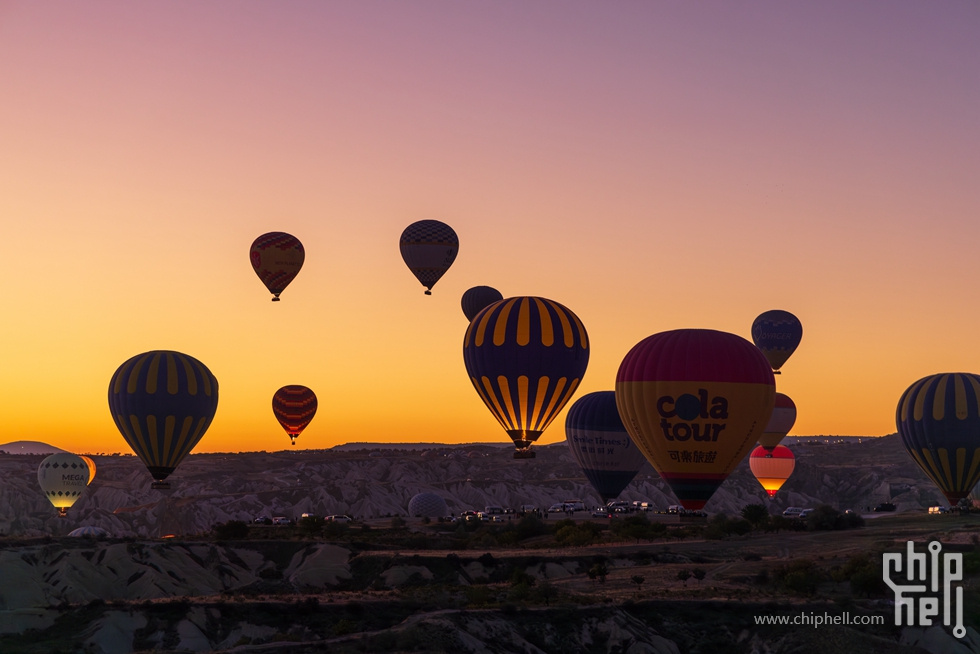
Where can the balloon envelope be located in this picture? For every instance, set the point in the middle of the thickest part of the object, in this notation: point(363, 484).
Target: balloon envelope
point(277, 258)
point(777, 333)
point(694, 401)
point(772, 469)
point(525, 357)
point(427, 505)
point(91, 467)
point(63, 478)
point(428, 248)
point(294, 407)
point(477, 299)
point(782, 420)
point(601, 445)
point(162, 402)
point(938, 418)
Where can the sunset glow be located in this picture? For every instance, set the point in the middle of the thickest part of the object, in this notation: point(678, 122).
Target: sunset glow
point(650, 166)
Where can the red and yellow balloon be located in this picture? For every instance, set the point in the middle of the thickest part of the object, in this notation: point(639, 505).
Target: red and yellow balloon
point(772, 469)
point(780, 422)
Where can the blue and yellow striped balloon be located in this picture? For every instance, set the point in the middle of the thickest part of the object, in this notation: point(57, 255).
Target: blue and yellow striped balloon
point(938, 419)
point(162, 402)
point(525, 357)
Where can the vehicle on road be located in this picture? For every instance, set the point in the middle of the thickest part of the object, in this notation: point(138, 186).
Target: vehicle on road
point(884, 507)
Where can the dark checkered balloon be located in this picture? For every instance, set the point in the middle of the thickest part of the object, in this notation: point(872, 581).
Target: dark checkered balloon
point(429, 248)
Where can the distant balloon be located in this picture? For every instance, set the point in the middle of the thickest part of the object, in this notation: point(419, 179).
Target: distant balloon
point(88, 531)
point(782, 420)
point(525, 357)
point(477, 299)
point(694, 401)
point(277, 258)
point(938, 418)
point(601, 445)
point(294, 408)
point(427, 505)
point(428, 248)
point(772, 470)
point(63, 478)
point(778, 334)
point(91, 466)
point(162, 402)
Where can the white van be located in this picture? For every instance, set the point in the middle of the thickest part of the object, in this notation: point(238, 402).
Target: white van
point(793, 512)
point(493, 510)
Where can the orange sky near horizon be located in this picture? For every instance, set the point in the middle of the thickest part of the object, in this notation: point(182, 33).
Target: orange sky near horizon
point(651, 166)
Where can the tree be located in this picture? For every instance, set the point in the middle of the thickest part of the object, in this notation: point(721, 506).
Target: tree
point(684, 575)
point(311, 525)
point(756, 514)
point(638, 580)
point(699, 574)
point(598, 571)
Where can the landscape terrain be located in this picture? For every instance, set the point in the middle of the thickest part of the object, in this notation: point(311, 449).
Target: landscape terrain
point(190, 570)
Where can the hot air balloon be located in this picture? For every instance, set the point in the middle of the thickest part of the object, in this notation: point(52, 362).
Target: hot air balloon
point(601, 445)
point(428, 247)
point(778, 334)
point(478, 298)
point(772, 470)
point(525, 357)
point(294, 408)
point(938, 419)
point(63, 478)
point(277, 258)
point(162, 402)
point(694, 401)
point(782, 420)
point(427, 505)
point(91, 467)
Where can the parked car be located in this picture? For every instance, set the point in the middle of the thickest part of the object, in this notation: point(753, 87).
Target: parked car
point(281, 520)
point(805, 512)
point(884, 507)
point(601, 512)
point(339, 518)
point(938, 509)
point(263, 520)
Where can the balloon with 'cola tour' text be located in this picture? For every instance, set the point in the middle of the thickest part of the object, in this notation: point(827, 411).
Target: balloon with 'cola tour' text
point(695, 401)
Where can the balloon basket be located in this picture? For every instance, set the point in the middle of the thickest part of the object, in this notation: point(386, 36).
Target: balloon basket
point(428, 292)
point(525, 454)
point(160, 485)
point(275, 299)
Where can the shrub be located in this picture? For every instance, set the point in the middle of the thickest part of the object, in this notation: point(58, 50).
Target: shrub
point(231, 530)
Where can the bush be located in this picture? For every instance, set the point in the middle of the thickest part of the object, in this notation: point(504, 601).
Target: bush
point(756, 514)
point(827, 518)
point(231, 530)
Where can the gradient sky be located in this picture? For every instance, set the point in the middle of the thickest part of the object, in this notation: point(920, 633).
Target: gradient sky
point(651, 165)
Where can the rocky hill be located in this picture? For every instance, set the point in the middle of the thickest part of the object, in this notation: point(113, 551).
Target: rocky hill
point(209, 489)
